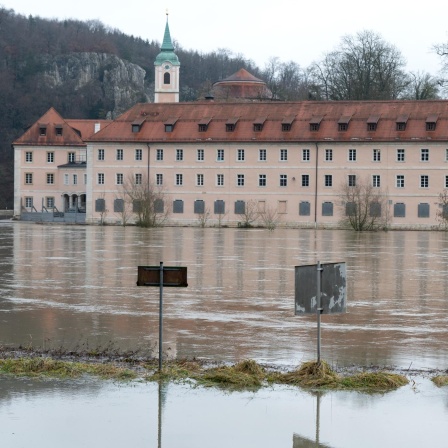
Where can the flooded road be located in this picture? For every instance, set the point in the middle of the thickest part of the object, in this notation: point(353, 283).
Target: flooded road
point(72, 285)
point(68, 286)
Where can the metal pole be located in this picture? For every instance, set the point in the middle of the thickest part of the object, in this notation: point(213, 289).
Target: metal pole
point(319, 309)
point(161, 316)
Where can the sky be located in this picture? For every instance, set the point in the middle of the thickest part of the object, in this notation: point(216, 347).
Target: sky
point(291, 30)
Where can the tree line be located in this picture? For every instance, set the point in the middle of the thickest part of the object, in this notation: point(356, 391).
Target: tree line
point(361, 67)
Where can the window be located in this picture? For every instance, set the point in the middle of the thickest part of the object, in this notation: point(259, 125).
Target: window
point(85, 179)
point(166, 78)
point(200, 155)
point(376, 155)
point(240, 208)
point(423, 210)
point(159, 179)
point(202, 127)
point(424, 181)
point(446, 155)
point(283, 180)
point(71, 157)
point(28, 202)
point(314, 127)
point(158, 205)
point(283, 155)
point(138, 154)
point(286, 127)
point(400, 181)
point(101, 154)
point(49, 201)
point(119, 178)
point(446, 181)
point(328, 180)
point(75, 179)
point(100, 205)
point(159, 154)
point(262, 180)
point(119, 154)
point(200, 180)
point(179, 179)
point(258, 127)
point(178, 206)
point(328, 155)
point(100, 178)
point(342, 127)
point(138, 179)
point(240, 180)
point(352, 155)
point(118, 205)
point(230, 127)
point(66, 179)
point(220, 155)
point(240, 155)
point(399, 210)
point(305, 180)
point(350, 209)
point(262, 155)
point(327, 209)
point(401, 126)
point(371, 127)
point(50, 157)
point(50, 178)
point(352, 180)
point(219, 207)
point(169, 127)
point(199, 206)
point(179, 155)
point(28, 178)
point(42, 131)
point(424, 155)
point(305, 155)
point(220, 180)
point(400, 155)
point(304, 208)
point(58, 131)
point(375, 209)
point(376, 181)
point(29, 156)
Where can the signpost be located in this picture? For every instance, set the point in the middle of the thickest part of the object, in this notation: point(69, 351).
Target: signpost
point(320, 289)
point(161, 276)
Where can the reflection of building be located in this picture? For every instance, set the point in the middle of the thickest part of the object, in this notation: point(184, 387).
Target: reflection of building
point(214, 156)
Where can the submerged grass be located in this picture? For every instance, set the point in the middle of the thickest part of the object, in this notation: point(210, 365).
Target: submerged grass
point(62, 369)
point(440, 380)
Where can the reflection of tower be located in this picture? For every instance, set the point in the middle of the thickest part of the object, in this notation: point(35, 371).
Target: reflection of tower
point(167, 65)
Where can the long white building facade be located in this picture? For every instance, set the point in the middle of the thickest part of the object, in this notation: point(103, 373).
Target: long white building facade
point(211, 160)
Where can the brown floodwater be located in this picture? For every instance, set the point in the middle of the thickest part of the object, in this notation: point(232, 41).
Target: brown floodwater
point(71, 285)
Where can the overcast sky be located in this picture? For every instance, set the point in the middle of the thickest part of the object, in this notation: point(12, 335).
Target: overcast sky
point(290, 29)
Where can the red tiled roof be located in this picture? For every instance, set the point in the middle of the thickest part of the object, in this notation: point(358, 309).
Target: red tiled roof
point(300, 114)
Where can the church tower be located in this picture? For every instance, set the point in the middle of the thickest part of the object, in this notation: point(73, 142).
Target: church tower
point(167, 67)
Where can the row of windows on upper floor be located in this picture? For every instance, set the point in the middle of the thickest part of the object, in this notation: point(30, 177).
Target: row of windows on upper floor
point(352, 155)
point(72, 157)
point(314, 124)
point(242, 208)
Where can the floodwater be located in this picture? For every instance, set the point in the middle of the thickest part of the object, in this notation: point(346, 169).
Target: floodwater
point(72, 285)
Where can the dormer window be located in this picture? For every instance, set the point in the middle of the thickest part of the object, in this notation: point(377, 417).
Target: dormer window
point(401, 122)
point(258, 124)
point(42, 131)
point(137, 125)
point(287, 123)
point(58, 130)
point(372, 123)
point(203, 124)
point(169, 124)
point(431, 122)
point(343, 123)
point(231, 124)
point(315, 123)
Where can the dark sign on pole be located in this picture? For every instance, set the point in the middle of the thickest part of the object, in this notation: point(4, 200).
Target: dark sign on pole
point(333, 289)
point(172, 276)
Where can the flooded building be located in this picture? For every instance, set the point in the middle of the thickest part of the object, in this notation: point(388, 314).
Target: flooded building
point(216, 161)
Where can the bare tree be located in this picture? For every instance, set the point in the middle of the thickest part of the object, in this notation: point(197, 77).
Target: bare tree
point(422, 86)
point(442, 213)
point(250, 214)
point(364, 207)
point(147, 201)
point(204, 217)
point(364, 67)
point(270, 217)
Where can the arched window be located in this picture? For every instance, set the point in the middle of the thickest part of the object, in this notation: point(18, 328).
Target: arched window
point(166, 78)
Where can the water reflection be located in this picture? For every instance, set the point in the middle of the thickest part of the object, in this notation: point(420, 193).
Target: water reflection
point(72, 285)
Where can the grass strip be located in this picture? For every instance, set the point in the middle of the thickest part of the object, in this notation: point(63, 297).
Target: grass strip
point(62, 369)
